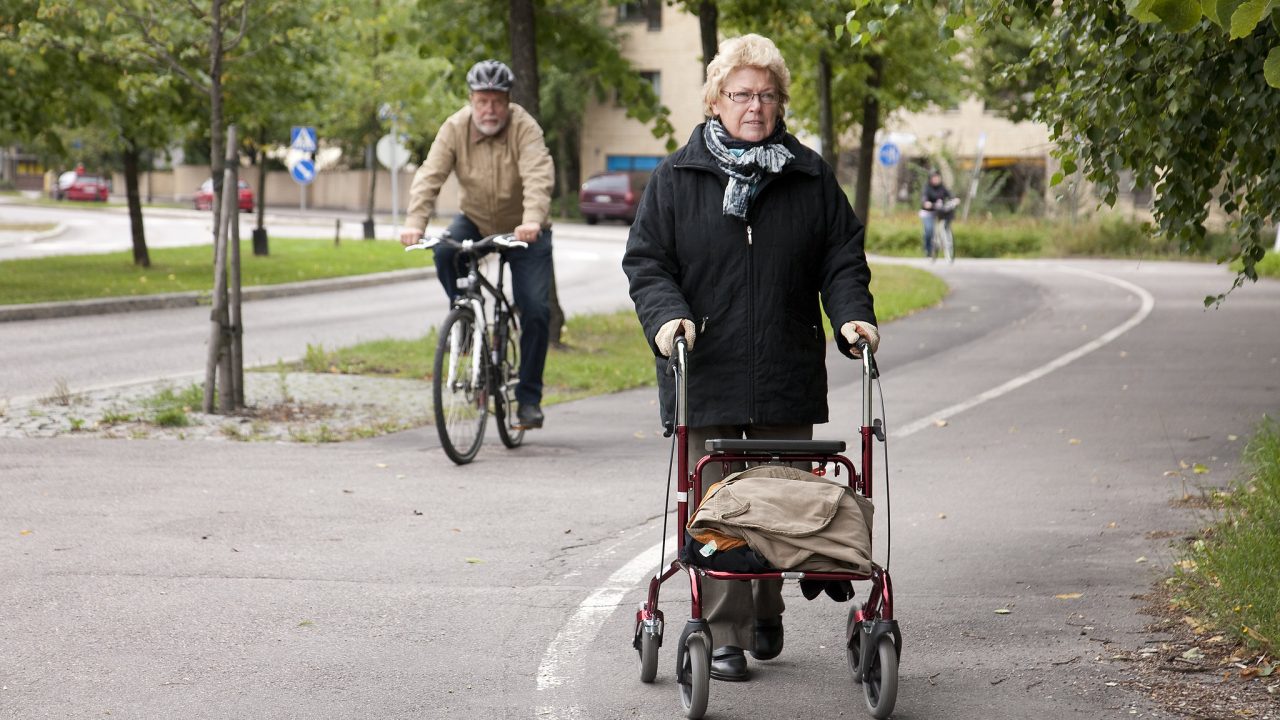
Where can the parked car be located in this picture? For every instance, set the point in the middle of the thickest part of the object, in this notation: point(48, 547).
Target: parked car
point(612, 195)
point(85, 187)
point(204, 196)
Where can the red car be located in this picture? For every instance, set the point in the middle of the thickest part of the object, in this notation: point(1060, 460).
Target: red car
point(612, 195)
point(86, 187)
point(204, 196)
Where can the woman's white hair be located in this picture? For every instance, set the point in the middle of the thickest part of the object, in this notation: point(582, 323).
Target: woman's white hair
point(750, 50)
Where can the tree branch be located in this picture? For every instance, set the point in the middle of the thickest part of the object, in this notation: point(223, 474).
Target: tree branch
point(164, 57)
point(244, 29)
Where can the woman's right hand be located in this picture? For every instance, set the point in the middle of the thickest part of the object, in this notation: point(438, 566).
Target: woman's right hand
point(670, 330)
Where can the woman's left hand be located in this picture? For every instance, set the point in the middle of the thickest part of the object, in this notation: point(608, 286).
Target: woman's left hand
point(855, 329)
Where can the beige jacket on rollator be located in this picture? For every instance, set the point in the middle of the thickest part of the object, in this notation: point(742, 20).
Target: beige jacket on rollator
point(795, 519)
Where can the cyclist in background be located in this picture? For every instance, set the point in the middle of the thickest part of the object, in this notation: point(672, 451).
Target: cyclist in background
point(505, 175)
point(935, 194)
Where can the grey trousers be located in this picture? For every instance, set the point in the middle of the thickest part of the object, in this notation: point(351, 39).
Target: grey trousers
point(731, 607)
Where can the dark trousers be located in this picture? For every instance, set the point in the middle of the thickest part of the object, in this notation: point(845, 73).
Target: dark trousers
point(731, 607)
point(530, 289)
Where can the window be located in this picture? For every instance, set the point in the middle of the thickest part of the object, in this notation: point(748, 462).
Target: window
point(616, 163)
point(647, 11)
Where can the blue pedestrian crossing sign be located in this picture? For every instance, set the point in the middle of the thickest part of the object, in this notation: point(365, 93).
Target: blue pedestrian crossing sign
point(303, 138)
point(303, 171)
point(889, 154)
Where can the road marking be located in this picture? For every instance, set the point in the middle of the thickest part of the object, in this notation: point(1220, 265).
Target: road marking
point(1148, 302)
point(561, 658)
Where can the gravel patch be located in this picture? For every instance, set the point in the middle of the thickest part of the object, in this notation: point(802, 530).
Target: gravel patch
point(288, 407)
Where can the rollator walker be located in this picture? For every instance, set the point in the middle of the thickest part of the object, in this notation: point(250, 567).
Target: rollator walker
point(872, 640)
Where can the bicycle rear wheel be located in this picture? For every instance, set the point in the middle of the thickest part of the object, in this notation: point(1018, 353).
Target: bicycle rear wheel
point(458, 387)
point(507, 376)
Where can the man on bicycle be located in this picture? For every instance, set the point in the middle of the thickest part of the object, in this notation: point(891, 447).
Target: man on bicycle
point(505, 175)
point(936, 195)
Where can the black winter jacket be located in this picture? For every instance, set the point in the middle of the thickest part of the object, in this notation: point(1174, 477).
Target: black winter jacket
point(752, 288)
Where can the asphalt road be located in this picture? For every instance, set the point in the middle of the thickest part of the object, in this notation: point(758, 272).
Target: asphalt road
point(1038, 420)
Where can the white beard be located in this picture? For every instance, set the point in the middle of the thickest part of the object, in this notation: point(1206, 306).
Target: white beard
point(488, 129)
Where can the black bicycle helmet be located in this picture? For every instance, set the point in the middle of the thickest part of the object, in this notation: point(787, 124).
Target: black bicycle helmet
point(490, 75)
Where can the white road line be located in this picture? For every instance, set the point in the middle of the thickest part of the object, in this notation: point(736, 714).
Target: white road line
point(1148, 302)
point(561, 658)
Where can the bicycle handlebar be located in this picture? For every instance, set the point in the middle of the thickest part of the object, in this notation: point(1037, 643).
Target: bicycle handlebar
point(500, 240)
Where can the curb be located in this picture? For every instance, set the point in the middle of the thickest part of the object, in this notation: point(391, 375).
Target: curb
point(103, 306)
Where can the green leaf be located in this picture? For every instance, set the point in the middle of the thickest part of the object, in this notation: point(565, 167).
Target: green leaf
point(1056, 179)
point(839, 31)
point(1141, 10)
point(1219, 11)
point(1178, 15)
point(1246, 18)
point(1271, 68)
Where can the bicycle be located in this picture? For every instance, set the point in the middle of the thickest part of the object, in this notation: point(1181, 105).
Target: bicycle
point(943, 212)
point(476, 360)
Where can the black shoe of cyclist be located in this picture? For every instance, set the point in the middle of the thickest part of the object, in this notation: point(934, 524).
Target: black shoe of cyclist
point(529, 416)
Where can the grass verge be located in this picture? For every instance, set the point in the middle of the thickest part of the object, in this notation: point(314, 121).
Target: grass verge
point(1230, 576)
point(602, 353)
point(81, 277)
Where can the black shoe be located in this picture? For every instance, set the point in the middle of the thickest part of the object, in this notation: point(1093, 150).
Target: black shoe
point(728, 663)
point(529, 416)
point(768, 638)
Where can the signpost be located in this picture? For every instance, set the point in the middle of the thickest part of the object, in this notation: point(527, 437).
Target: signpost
point(393, 155)
point(302, 139)
point(889, 154)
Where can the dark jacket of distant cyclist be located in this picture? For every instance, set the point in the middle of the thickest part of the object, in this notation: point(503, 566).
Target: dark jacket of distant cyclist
point(752, 288)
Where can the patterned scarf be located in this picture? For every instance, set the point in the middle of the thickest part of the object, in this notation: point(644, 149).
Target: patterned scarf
point(747, 168)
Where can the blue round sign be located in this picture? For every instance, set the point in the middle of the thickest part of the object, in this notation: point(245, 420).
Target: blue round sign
point(889, 154)
point(303, 171)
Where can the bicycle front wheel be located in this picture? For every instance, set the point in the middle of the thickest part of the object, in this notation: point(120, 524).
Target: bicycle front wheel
point(948, 245)
point(507, 375)
point(459, 387)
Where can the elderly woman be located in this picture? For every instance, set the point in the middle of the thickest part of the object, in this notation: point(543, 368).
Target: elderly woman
point(739, 234)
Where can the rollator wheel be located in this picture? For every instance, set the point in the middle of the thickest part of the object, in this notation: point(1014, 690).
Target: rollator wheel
point(697, 676)
point(648, 657)
point(853, 649)
point(881, 688)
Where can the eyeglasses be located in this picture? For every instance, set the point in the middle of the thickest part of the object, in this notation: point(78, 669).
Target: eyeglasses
point(742, 96)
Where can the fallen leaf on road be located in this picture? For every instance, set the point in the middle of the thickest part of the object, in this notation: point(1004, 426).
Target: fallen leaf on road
point(380, 465)
point(940, 423)
point(942, 516)
point(24, 533)
point(417, 512)
point(1183, 464)
point(1233, 438)
point(1199, 469)
point(1141, 559)
point(1069, 596)
point(474, 561)
point(1171, 473)
point(640, 434)
point(1192, 654)
point(1112, 525)
point(1003, 611)
point(1074, 441)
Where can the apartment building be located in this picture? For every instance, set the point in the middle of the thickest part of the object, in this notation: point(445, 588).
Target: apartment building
point(663, 43)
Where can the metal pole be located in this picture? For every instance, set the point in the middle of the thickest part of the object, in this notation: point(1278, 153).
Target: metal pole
point(395, 186)
point(233, 218)
point(977, 171)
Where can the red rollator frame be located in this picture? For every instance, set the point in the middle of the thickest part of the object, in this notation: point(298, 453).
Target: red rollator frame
point(872, 640)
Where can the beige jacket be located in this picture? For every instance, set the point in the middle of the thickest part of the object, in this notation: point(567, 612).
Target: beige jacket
point(505, 179)
point(795, 519)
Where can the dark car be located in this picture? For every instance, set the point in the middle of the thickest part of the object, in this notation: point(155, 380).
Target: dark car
point(203, 197)
point(85, 187)
point(612, 195)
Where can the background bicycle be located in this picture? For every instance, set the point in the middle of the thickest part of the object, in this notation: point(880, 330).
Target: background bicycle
point(477, 360)
point(944, 211)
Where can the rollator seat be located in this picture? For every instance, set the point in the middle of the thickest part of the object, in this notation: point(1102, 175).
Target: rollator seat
point(776, 447)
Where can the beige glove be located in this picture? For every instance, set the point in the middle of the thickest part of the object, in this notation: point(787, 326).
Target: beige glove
point(666, 337)
point(854, 329)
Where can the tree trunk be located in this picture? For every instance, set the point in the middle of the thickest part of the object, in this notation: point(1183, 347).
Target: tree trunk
point(371, 163)
point(867, 141)
point(524, 56)
point(826, 128)
point(524, 61)
point(140, 256)
point(708, 17)
point(216, 144)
